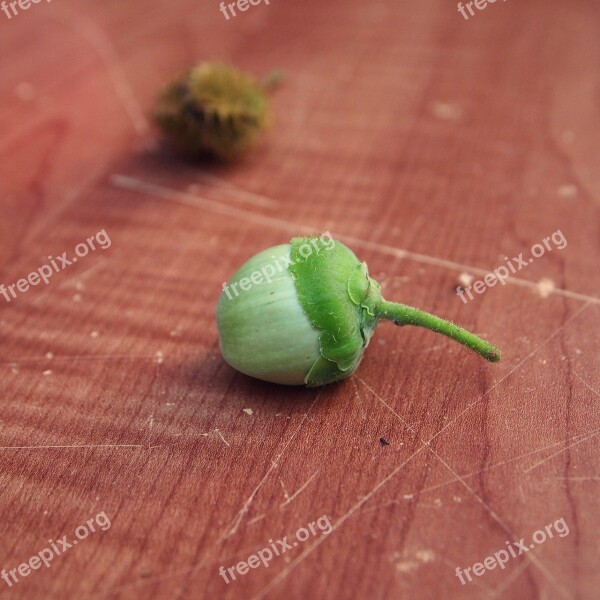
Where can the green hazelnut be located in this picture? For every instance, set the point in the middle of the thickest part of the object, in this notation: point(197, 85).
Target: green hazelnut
point(214, 110)
point(303, 313)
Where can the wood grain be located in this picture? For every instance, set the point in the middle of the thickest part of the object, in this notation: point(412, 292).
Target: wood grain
point(430, 144)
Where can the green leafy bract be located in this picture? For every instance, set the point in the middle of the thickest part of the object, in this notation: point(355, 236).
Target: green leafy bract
point(338, 296)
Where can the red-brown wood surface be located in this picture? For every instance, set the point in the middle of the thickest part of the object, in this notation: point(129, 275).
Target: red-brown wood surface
point(433, 146)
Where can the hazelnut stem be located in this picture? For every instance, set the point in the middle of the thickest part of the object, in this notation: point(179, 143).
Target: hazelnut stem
point(402, 314)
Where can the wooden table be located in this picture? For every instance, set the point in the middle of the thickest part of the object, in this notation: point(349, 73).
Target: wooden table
point(435, 146)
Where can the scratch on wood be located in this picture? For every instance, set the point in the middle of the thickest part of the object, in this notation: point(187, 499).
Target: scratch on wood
point(541, 462)
point(530, 557)
point(92, 33)
point(518, 366)
point(508, 580)
point(358, 398)
point(234, 190)
point(285, 493)
point(242, 512)
point(256, 519)
point(486, 469)
point(294, 563)
point(74, 446)
point(159, 191)
point(218, 432)
point(165, 193)
point(79, 277)
point(295, 494)
point(75, 358)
